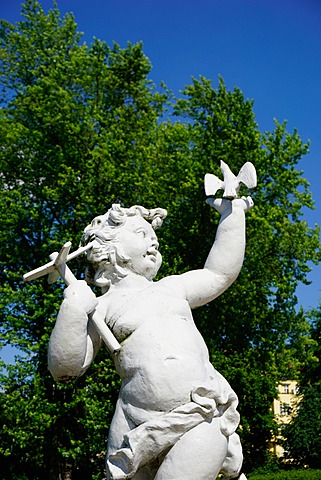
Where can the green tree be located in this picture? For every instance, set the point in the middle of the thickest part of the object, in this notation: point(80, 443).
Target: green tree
point(251, 327)
point(77, 128)
point(82, 127)
point(302, 435)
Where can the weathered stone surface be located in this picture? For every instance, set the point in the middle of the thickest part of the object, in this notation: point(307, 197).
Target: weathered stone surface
point(176, 416)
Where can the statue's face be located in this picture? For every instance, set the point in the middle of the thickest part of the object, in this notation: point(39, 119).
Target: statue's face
point(140, 245)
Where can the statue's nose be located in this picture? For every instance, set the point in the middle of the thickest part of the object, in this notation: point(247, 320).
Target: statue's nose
point(155, 243)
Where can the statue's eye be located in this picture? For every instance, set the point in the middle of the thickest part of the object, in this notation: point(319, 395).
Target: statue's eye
point(142, 233)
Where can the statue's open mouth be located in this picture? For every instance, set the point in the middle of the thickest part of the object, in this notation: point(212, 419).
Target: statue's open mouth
point(152, 255)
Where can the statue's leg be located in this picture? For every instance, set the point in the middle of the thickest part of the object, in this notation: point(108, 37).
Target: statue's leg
point(199, 454)
point(146, 473)
point(233, 462)
point(120, 425)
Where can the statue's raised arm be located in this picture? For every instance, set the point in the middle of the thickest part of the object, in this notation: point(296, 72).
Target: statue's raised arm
point(226, 256)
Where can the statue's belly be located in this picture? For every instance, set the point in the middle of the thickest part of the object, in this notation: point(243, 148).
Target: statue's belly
point(161, 363)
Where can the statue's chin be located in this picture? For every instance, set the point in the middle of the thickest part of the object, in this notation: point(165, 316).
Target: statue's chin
point(148, 267)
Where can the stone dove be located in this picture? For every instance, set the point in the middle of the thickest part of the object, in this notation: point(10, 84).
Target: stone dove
point(230, 183)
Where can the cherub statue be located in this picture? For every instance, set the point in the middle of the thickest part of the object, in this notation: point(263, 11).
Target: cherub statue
point(176, 416)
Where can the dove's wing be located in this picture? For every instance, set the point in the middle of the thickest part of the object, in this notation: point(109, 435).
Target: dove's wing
point(212, 184)
point(247, 175)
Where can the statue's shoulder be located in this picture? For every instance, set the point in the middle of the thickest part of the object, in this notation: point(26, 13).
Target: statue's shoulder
point(104, 302)
point(172, 283)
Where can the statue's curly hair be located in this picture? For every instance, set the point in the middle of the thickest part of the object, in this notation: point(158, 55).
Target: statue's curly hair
point(106, 255)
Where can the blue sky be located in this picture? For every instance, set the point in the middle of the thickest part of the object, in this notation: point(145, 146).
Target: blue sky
point(270, 49)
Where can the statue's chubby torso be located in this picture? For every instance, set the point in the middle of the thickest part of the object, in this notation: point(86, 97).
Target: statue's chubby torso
point(163, 354)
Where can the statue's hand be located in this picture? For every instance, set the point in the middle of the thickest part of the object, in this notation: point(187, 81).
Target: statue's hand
point(81, 295)
point(223, 205)
point(220, 204)
point(244, 202)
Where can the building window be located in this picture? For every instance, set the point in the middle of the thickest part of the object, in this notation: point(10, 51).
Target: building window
point(286, 387)
point(285, 409)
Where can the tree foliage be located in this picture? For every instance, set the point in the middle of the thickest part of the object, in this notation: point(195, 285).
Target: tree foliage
point(82, 127)
point(251, 326)
point(302, 435)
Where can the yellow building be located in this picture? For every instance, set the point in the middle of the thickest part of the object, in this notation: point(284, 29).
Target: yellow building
point(283, 408)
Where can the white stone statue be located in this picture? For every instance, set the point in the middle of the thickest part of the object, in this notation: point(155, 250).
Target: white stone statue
point(176, 416)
